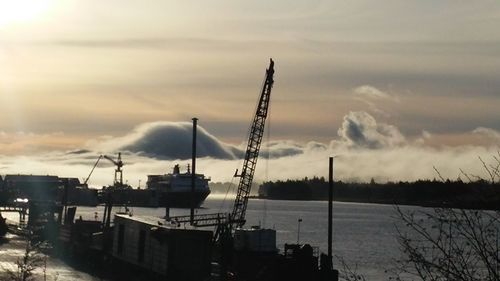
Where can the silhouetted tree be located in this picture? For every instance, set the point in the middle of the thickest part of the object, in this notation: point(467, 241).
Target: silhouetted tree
point(347, 272)
point(26, 265)
point(451, 244)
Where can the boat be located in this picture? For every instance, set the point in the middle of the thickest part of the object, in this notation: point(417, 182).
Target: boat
point(174, 189)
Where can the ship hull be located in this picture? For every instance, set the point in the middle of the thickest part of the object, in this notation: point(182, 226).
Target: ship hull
point(182, 199)
point(154, 198)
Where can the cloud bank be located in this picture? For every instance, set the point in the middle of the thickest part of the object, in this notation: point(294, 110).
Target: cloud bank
point(169, 141)
point(367, 149)
point(173, 140)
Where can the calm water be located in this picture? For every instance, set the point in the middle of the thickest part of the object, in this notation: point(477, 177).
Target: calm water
point(364, 234)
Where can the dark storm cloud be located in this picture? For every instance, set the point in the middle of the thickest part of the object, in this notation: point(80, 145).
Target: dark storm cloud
point(78, 151)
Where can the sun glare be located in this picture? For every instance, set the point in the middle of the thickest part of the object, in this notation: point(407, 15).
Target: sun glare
point(16, 11)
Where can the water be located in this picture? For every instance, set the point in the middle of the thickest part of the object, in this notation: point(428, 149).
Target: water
point(364, 234)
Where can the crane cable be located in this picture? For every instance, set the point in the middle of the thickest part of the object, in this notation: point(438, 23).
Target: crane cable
point(266, 172)
point(268, 157)
point(231, 188)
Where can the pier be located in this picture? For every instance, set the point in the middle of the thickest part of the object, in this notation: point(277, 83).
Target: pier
point(21, 209)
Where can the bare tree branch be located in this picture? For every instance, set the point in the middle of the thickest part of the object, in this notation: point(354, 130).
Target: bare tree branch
point(439, 174)
point(448, 244)
point(492, 177)
point(466, 175)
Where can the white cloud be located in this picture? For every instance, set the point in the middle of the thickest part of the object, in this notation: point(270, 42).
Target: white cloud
point(374, 98)
point(426, 134)
point(169, 141)
point(368, 149)
point(487, 132)
point(367, 91)
point(423, 138)
point(361, 130)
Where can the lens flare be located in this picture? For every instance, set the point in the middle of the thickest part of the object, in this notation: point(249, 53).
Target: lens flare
point(16, 11)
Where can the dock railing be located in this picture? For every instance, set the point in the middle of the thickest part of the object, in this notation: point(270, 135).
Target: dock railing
point(201, 220)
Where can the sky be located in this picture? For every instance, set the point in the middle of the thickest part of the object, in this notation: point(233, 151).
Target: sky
point(395, 88)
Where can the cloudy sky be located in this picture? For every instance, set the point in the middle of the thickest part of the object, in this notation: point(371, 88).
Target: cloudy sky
point(395, 87)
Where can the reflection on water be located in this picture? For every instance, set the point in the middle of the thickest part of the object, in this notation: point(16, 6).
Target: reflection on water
point(364, 234)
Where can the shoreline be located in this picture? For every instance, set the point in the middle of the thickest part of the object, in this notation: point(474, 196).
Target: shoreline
point(428, 204)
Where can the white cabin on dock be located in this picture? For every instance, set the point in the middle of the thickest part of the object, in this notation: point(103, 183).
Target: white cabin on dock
point(153, 245)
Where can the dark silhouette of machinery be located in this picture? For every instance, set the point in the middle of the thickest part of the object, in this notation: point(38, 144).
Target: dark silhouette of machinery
point(118, 180)
point(237, 217)
point(226, 223)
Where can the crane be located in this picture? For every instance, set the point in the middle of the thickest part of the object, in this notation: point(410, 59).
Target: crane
point(226, 222)
point(93, 168)
point(118, 181)
point(118, 171)
point(237, 217)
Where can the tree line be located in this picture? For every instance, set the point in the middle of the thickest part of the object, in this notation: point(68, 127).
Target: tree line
point(479, 194)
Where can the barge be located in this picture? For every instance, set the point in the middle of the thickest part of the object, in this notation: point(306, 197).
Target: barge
point(167, 250)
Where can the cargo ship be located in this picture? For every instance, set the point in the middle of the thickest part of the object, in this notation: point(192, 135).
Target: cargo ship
point(171, 190)
point(174, 189)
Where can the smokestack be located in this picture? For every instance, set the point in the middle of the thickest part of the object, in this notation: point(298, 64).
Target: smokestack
point(193, 170)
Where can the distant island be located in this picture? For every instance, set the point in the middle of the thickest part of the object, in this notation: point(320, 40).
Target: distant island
point(431, 193)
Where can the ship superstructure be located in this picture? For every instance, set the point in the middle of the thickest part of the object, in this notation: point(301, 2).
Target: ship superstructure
point(174, 188)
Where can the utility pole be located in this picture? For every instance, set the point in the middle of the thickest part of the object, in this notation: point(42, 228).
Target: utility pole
point(330, 211)
point(298, 230)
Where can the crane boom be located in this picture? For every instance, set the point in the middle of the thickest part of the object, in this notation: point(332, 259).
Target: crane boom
point(118, 171)
point(226, 222)
point(93, 168)
point(252, 152)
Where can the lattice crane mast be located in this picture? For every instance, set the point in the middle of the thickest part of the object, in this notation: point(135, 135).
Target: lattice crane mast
point(252, 153)
point(226, 222)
